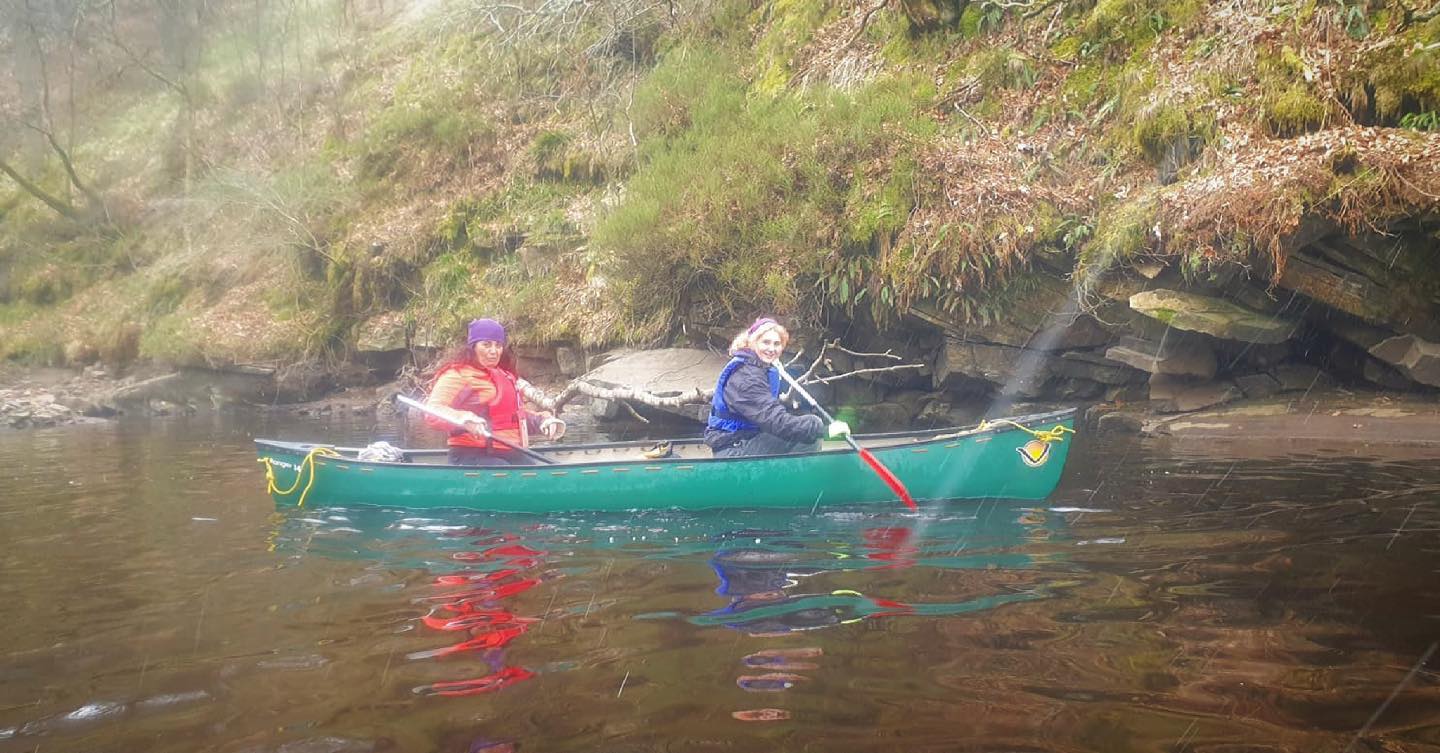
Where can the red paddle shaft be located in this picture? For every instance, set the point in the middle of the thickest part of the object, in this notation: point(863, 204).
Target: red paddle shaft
point(865, 455)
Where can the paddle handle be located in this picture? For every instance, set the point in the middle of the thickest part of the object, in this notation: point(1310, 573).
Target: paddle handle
point(794, 385)
point(829, 419)
point(484, 432)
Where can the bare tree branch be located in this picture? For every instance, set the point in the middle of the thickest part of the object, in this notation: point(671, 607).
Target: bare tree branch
point(69, 165)
point(865, 21)
point(876, 370)
point(699, 395)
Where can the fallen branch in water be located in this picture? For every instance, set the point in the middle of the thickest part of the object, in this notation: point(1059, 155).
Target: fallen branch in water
point(622, 394)
point(855, 372)
point(814, 374)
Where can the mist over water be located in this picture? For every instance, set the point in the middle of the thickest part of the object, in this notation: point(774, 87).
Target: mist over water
point(1162, 600)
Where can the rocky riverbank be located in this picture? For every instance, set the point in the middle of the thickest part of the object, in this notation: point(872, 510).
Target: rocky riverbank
point(1304, 409)
point(1346, 339)
point(37, 398)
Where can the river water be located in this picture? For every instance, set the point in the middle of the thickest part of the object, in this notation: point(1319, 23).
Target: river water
point(155, 599)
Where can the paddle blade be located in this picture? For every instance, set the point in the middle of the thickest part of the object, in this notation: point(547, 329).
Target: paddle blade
point(888, 477)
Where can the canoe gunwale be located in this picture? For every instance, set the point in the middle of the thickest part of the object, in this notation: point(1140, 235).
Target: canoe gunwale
point(922, 438)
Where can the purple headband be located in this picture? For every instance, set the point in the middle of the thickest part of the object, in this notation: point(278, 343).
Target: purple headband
point(486, 329)
point(759, 323)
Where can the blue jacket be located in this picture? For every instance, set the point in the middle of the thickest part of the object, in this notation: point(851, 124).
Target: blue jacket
point(747, 402)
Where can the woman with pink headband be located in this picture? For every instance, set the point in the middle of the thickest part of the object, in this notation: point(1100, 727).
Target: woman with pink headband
point(746, 415)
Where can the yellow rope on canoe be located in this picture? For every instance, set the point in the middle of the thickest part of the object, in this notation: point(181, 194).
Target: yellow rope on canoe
point(308, 463)
point(1056, 434)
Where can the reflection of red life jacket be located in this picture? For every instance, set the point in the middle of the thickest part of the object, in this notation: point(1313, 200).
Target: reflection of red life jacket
point(489, 683)
point(488, 393)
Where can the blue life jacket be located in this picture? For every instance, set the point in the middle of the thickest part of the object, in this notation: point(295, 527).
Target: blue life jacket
point(721, 417)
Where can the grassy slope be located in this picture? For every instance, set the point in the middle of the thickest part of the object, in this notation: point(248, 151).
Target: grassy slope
point(617, 178)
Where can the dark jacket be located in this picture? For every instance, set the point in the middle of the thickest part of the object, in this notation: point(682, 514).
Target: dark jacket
point(747, 393)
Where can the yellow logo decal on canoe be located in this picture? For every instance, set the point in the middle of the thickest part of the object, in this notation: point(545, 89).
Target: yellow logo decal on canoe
point(1034, 453)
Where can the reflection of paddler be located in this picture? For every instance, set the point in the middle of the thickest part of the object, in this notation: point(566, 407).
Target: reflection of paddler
point(761, 715)
point(752, 572)
point(757, 579)
point(772, 682)
point(490, 683)
point(785, 659)
point(890, 545)
point(474, 611)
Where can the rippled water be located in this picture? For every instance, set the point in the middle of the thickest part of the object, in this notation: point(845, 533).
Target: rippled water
point(156, 600)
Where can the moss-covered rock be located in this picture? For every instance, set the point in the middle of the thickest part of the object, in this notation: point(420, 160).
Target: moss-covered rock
point(1294, 110)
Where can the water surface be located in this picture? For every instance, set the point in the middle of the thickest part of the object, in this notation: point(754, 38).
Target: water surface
point(157, 600)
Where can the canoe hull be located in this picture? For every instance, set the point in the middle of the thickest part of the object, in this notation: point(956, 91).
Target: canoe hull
point(1003, 462)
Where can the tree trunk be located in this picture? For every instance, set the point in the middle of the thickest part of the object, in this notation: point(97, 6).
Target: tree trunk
point(60, 206)
point(932, 15)
point(96, 204)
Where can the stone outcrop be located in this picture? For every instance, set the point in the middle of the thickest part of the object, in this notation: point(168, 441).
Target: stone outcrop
point(1212, 316)
point(1414, 357)
point(1032, 328)
point(1381, 280)
point(1015, 371)
point(1095, 367)
point(1174, 356)
point(1180, 395)
point(390, 340)
point(684, 375)
point(1301, 377)
point(26, 409)
point(1256, 386)
point(1041, 345)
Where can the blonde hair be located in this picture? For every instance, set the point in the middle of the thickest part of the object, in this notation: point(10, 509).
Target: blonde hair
point(762, 325)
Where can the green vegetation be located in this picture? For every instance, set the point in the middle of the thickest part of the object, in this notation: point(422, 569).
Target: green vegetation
point(1115, 26)
point(737, 198)
point(1123, 232)
point(1163, 131)
point(1289, 105)
point(788, 25)
point(611, 177)
point(1294, 111)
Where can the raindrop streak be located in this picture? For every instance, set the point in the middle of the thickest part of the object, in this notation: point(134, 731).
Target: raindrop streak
point(1403, 682)
point(1032, 353)
point(1402, 526)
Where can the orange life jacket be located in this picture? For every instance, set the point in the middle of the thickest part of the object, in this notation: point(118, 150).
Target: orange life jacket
point(503, 411)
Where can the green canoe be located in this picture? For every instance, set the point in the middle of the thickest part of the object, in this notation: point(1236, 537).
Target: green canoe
point(1019, 458)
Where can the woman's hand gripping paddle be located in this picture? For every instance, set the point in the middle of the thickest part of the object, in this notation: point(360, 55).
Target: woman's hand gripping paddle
point(865, 455)
point(427, 410)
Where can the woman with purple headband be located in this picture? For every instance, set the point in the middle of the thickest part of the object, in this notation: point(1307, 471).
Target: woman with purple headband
point(746, 415)
point(478, 387)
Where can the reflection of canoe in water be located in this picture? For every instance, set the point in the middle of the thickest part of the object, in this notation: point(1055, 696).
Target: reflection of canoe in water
point(1015, 459)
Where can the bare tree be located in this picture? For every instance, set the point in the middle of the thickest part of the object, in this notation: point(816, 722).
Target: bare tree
point(30, 41)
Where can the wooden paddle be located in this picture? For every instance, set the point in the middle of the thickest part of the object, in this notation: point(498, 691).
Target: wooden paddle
point(865, 455)
point(484, 432)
